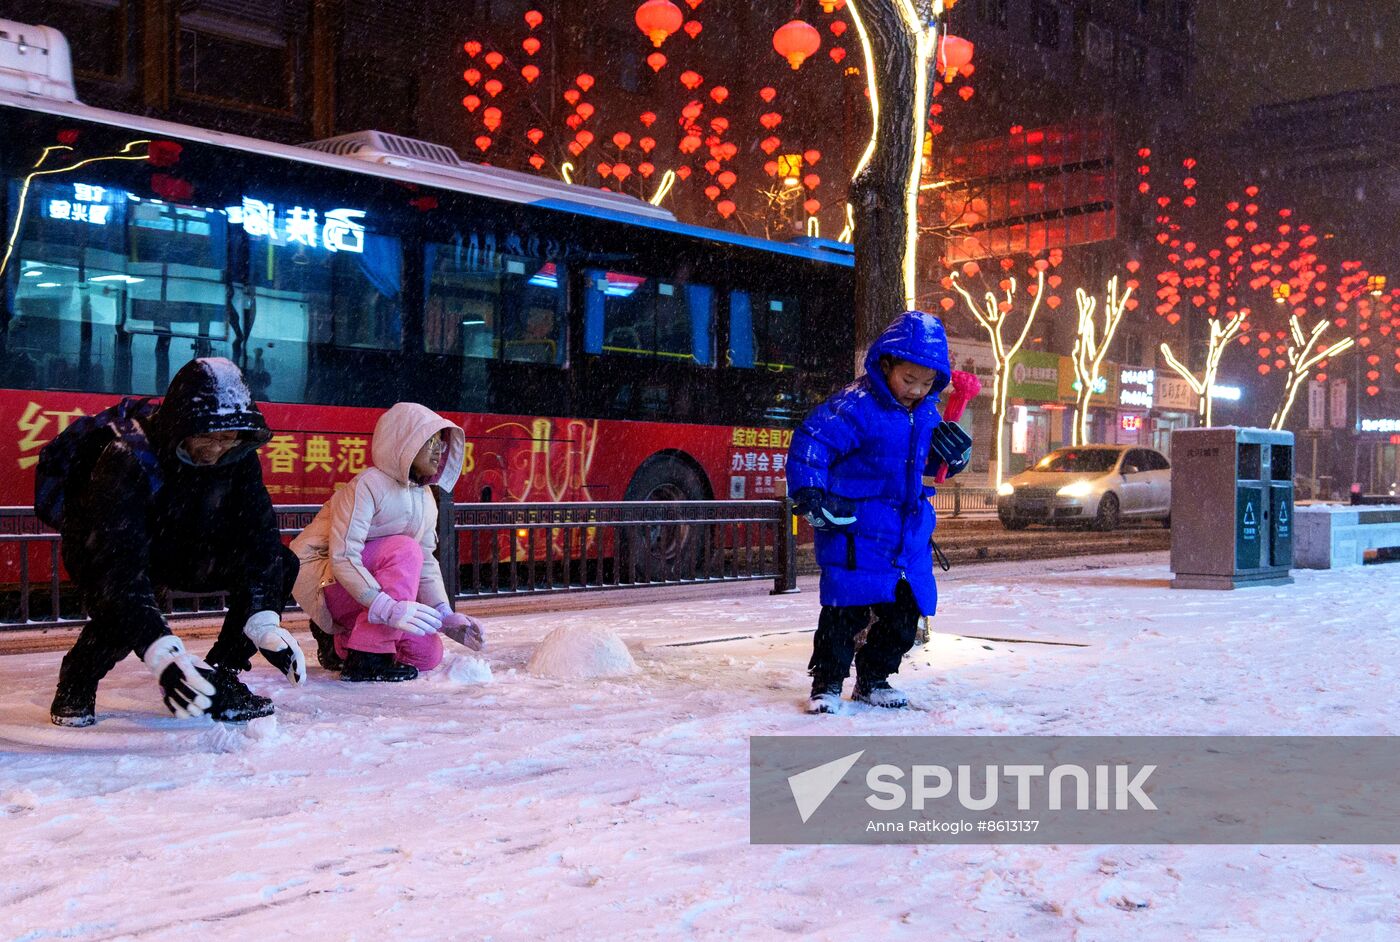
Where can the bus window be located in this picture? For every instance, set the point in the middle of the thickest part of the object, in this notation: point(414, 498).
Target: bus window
point(632, 315)
point(347, 299)
point(493, 306)
point(65, 275)
point(763, 331)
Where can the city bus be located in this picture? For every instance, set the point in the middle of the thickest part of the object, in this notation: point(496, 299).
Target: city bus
point(592, 346)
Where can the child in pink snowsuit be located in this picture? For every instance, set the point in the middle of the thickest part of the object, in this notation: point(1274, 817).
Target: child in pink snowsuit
point(367, 567)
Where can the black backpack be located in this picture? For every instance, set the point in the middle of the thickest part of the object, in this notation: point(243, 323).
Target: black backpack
point(71, 456)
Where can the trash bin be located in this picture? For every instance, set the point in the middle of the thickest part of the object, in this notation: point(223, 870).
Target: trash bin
point(1232, 507)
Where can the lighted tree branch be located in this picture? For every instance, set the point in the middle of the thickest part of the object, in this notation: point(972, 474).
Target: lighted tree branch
point(1302, 358)
point(1220, 337)
point(1090, 347)
point(994, 316)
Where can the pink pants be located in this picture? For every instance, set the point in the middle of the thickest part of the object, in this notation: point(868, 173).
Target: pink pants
point(396, 562)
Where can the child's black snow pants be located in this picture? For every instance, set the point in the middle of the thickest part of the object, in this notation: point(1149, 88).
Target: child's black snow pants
point(890, 637)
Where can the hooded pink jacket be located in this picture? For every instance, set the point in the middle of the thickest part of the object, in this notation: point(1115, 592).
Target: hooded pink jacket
point(380, 501)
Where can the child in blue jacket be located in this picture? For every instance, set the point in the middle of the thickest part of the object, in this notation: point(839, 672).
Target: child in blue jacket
point(855, 470)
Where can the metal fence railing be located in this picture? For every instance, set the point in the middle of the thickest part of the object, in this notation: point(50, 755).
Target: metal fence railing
point(954, 500)
point(486, 550)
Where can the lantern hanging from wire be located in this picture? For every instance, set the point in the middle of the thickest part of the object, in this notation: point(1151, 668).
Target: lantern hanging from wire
point(795, 41)
point(658, 19)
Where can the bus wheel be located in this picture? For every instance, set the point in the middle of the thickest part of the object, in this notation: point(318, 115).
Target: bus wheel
point(663, 551)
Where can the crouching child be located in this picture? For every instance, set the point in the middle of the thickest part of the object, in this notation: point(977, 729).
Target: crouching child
point(368, 579)
point(855, 470)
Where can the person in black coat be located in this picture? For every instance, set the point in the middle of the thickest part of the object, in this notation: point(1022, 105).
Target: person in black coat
point(189, 512)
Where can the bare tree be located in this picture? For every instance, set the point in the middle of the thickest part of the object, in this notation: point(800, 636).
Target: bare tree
point(1304, 354)
point(1091, 345)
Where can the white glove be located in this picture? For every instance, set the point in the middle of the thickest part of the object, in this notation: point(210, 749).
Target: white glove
point(277, 645)
point(184, 687)
point(412, 617)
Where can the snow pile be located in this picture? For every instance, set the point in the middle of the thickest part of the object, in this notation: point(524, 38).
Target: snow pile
point(464, 670)
point(581, 652)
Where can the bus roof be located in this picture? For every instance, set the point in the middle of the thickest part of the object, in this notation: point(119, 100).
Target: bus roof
point(477, 179)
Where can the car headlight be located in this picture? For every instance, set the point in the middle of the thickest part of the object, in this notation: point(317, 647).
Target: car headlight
point(1077, 489)
point(1004, 489)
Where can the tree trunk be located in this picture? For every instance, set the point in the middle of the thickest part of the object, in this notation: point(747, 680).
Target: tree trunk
point(878, 192)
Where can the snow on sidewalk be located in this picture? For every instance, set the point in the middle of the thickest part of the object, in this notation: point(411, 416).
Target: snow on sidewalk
point(481, 802)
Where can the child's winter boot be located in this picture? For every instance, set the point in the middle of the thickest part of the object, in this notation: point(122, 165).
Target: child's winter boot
point(362, 667)
point(233, 702)
point(826, 696)
point(326, 655)
point(879, 693)
point(74, 705)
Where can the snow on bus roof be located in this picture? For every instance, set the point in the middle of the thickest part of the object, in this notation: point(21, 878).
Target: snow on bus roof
point(476, 179)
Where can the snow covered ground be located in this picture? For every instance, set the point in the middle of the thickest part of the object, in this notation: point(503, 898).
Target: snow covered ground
point(484, 803)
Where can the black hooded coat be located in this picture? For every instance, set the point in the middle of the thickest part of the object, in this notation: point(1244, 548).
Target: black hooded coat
point(200, 528)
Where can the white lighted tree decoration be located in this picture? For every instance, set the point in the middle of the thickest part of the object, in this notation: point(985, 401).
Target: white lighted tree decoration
point(994, 315)
point(1090, 347)
point(1303, 354)
point(1221, 333)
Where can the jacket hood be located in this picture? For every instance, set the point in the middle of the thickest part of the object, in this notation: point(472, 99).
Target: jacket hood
point(208, 394)
point(914, 336)
point(403, 430)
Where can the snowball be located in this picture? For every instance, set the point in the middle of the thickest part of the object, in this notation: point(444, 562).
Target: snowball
point(465, 670)
point(579, 652)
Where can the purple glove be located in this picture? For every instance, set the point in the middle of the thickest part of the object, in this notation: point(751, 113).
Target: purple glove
point(412, 617)
point(463, 629)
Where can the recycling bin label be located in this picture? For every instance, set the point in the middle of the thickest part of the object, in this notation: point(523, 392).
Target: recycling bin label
point(1281, 525)
point(1249, 522)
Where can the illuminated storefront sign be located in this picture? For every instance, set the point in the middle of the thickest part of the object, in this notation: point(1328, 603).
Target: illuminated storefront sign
point(1131, 423)
point(1136, 387)
point(1230, 393)
point(1380, 425)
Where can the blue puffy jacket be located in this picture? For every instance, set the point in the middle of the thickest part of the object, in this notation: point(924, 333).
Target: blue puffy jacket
point(863, 445)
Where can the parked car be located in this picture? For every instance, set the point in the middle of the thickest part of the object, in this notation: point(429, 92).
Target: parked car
point(1092, 485)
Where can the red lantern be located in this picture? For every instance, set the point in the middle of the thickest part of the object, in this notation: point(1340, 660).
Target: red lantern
point(658, 19)
point(572, 96)
point(811, 156)
point(646, 169)
point(811, 181)
point(585, 110)
point(727, 179)
point(483, 143)
point(770, 144)
point(657, 61)
point(491, 117)
point(689, 144)
point(692, 79)
point(770, 120)
point(533, 18)
point(584, 81)
point(530, 73)
point(683, 172)
point(494, 59)
point(726, 208)
point(838, 27)
point(795, 41)
point(719, 93)
point(621, 139)
point(622, 172)
point(534, 135)
point(954, 52)
point(605, 170)
point(712, 191)
point(531, 45)
point(584, 138)
point(472, 47)
point(536, 161)
point(720, 125)
point(648, 118)
point(836, 53)
point(493, 87)
point(693, 28)
point(647, 144)
point(471, 76)
point(965, 92)
point(812, 207)
point(471, 103)
point(831, 6)
point(767, 93)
